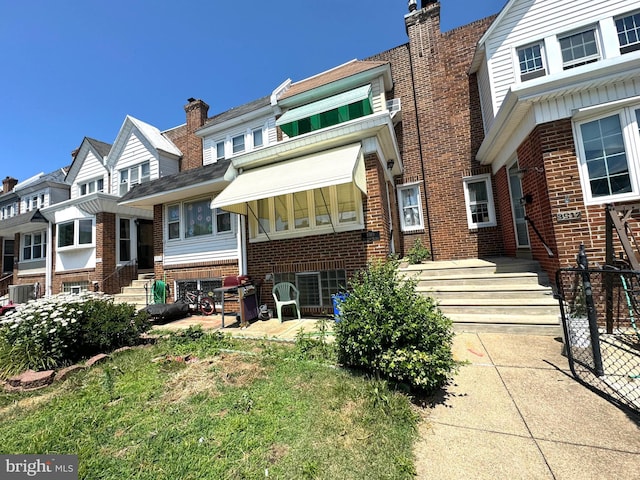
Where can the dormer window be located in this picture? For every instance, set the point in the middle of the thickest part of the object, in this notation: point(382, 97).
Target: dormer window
point(531, 61)
point(628, 28)
point(92, 186)
point(133, 176)
point(327, 112)
point(220, 150)
point(579, 48)
point(257, 137)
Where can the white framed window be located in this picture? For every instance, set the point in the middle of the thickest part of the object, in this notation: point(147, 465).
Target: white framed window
point(76, 233)
point(130, 177)
point(75, 288)
point(531, 61)
point(410, 207)
point(607, 148)
point(478, 197)
point(257, 137)
point(311, 212)
point(315, 288)
point(91, 186)
point(34, 246)
point(237, 144)
point(196, 219)
point(628, 28)
point(579, 48)
point(220, 150)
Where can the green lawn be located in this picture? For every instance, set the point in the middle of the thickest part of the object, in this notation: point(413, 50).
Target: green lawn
point(241, 409)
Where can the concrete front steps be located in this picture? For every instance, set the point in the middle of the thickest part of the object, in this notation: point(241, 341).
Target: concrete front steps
point(497, 294)
point(136, 293)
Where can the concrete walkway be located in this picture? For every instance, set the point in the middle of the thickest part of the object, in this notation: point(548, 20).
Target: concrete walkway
point(514, 412)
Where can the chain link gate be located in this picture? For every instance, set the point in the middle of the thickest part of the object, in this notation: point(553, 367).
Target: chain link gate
point(600, 311)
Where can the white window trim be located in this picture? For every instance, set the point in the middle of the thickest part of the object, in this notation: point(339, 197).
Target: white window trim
point(596, 29)
point(132, 242)
point(87, 183)
point(257, 235)
point(76, 235)
point(631, 139)
point(516, 61)
point(128, 170)
point(43, 245)
point(410, 228)
point(181, 238)
point(486, 177)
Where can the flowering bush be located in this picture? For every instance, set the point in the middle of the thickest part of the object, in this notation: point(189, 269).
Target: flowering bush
point(61, 329)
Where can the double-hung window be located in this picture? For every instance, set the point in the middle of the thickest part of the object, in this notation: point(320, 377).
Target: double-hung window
point(194, 219)
point(531, 61)
point(34, 246)
point(257, 138)
point(220, 150)
point(628, 28)
point(608, 149)
point(76, 233)
point(132, 176)
point(410, 208)
point(579, 48)
point(237, 144)
point(478, 197)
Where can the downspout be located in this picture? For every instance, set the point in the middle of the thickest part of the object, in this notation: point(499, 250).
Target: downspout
point(242, 246)
point(424, 178)
point(49, 262)
point(393, 243)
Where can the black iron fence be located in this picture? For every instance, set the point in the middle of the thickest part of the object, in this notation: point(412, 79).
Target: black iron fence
point(600, 310)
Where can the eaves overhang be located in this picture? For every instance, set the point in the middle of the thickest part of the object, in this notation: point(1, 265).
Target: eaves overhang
point(213, 127)
point(23, 223)
point(338, 86)
point(378, 125)
point(94, 204)
point(521, 98)
point(205, 188)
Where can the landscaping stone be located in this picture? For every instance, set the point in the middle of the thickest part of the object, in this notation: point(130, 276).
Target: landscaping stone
point(29, 380)
point(122, 349)
point(101, 357)
point(65, 372)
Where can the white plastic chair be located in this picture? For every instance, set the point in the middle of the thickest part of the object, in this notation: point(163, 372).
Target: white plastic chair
point(284, 294)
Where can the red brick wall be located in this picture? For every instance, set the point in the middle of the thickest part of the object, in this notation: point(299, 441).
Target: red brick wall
point(336, 251)
point(504, 213)
point(439, 146)
point(184, 137)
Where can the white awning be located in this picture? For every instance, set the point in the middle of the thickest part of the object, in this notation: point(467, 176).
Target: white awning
point(332, 167)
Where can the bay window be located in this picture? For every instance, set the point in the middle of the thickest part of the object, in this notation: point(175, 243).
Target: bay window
point(608, 162)
point(76, 233)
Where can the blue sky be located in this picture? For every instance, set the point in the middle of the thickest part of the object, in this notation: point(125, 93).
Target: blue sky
point(74, 68)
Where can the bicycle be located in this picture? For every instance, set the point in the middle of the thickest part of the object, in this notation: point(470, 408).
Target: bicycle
point(197, 301)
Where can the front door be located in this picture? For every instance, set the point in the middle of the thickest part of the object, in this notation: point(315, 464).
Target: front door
point(145, 244)
point(517, 207)
point(7, 256)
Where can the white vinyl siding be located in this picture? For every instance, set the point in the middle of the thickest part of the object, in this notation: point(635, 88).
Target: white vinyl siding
point(526, 22)
point(90, 170)
point(135, 152)
point(244, 143)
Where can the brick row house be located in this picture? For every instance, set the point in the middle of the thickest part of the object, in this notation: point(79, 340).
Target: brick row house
point(482, 141)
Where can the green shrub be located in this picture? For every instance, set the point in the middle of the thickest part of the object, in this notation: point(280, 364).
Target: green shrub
point(62, 329)
point(391, 331)
point(418, 253)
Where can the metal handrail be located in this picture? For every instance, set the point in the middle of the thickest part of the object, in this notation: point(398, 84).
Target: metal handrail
point(131, 266)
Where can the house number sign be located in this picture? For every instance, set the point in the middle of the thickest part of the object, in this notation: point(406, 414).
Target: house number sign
point(568, 216)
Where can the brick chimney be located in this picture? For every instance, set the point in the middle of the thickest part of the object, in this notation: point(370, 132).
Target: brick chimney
point(8, 183)
point(197, 111)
